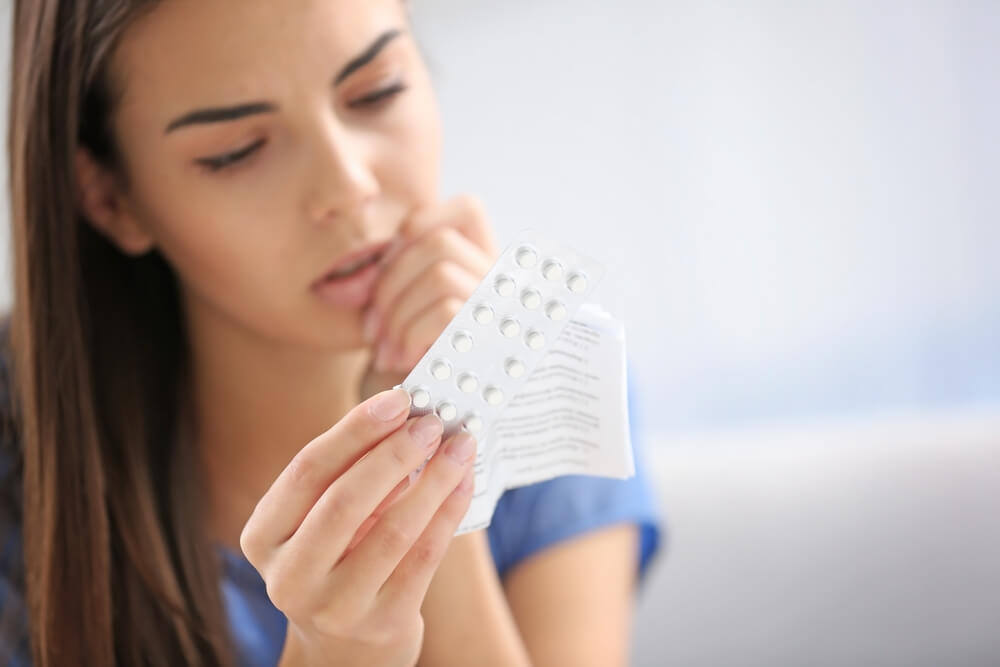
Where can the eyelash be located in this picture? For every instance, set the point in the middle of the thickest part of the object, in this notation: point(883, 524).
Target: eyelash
point(373, 101)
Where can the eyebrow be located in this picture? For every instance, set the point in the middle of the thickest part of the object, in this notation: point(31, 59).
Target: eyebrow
point(222, 114)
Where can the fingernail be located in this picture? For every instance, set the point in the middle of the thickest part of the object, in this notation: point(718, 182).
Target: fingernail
point(426, 430)
point(461, 447)
point(389, 405)
point(369, 326)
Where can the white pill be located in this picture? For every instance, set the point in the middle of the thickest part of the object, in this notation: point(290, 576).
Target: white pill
point(555, 311)
point(577, 283)
point(505, 286)
point(462, 342)
point(552, 270)
point(468, 383)
point(531, 299)
point(441, 370)
point(483, 314)
point(447, 412)
point(535, 340)
point(510, 328)
point(421, 398)
point(493, 396)
point(526, 257)
point(514, 368)
point(473, 423)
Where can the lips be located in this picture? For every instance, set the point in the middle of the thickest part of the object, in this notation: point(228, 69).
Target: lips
point(350, 282)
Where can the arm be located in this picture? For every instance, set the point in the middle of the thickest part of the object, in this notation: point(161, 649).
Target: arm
point(466, 618)
point(573, 601)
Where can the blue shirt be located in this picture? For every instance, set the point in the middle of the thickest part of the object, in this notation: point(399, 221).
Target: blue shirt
point(526, 521)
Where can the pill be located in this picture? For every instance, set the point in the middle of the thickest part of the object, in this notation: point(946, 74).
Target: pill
point(462, 342)
point(577, 283)
point(441, 370)
point(510, 328)
point(447, 411)
point(531, 299)
point(493, 396)
point(555, 311)
point(535, 340)
point(514, 368)
point(473, 423)
point(526, 257)
point(468, 383)
point(483, 314)
point(421, 398)
point(505, 286)
point(552, 270)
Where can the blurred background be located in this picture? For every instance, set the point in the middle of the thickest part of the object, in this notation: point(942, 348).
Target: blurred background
point(799, 207)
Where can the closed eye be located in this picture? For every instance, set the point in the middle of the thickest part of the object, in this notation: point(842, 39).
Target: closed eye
point(373, 99)
point(220, 162)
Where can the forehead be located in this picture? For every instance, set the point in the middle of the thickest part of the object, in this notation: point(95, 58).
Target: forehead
point(190, 52)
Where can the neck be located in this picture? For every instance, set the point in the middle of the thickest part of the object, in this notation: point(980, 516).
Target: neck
point(256, 402)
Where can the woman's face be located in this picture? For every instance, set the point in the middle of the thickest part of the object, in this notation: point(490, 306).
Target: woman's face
point(264, 141)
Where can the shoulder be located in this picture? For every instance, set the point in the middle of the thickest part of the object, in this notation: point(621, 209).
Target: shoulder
point(532, 518)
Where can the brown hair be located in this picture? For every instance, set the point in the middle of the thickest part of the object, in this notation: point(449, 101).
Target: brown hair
point(118, 568)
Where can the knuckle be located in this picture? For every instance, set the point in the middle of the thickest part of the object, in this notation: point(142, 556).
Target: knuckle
point(401, 453)
point(426, 553)
point(281, 590)
point(442, 273)
point(302, 470)
point(250, 542)
point(340, 503)
point(473, 206)
point(450, 306)
point(394, 539)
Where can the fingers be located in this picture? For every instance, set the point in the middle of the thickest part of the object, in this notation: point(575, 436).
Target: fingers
point(421, 332)
point(444, 247)
point(337, 516)
point(367, 524)
point(428, 516)
point(286, 504)
point(443, 289)
point(464, 212)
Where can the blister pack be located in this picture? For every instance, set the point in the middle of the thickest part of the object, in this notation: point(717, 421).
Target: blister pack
point(503, 331)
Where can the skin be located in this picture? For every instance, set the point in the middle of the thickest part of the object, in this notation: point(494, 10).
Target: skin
point(305, 476)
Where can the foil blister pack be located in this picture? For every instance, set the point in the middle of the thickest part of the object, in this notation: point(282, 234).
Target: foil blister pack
point(490, 348)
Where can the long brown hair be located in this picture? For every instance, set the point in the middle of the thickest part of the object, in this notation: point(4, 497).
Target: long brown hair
point(118, 569)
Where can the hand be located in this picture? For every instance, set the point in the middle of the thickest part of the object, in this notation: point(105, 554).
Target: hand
point(444, 252)
point(347, 549)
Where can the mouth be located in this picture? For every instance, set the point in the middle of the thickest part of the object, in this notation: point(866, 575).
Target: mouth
point(354, 263)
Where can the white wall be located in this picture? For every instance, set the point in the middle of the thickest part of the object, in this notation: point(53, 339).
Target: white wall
point(796, 201)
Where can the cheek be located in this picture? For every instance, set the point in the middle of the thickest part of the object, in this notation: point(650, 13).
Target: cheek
point(230, 253)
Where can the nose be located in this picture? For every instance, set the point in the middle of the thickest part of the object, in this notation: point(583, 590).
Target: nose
point(342, 179)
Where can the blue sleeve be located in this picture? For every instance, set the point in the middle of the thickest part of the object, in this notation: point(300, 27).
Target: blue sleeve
point(531, 518)
point(15, 648)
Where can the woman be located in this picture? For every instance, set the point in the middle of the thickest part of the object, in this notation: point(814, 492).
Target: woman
point(228, 245)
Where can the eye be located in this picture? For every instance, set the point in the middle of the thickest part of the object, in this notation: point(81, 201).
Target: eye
point(378, 98)
point(222, 161)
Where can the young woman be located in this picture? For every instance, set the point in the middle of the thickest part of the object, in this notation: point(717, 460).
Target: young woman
point(228, 245)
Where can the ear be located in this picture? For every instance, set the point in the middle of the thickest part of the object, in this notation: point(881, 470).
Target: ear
point(102, 202)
